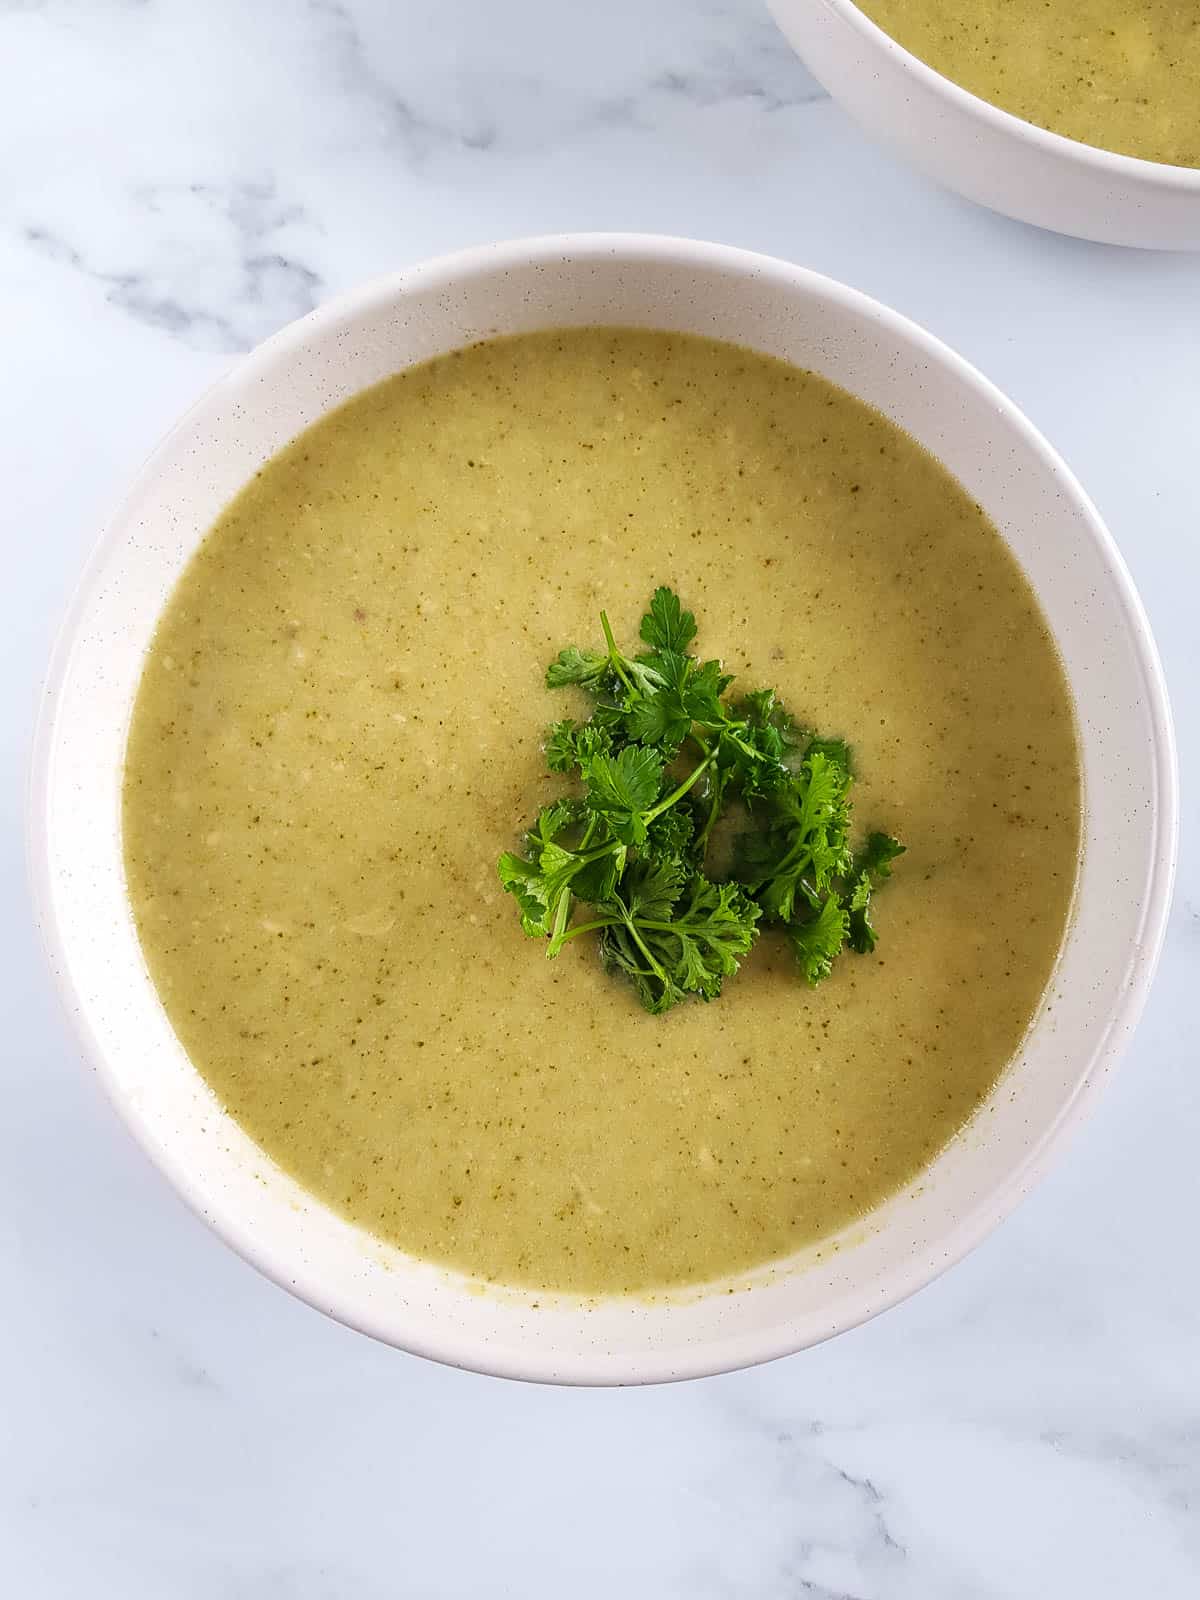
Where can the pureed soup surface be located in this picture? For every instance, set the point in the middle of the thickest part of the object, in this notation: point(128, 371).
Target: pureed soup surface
point(1120, 74)
point(338, 731)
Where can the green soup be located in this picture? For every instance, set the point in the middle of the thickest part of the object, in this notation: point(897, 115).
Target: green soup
point(1120, 74)
point(338, 731)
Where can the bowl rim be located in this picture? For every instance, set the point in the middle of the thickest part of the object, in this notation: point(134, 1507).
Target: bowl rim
point(666, 1363)
point(1111, 164)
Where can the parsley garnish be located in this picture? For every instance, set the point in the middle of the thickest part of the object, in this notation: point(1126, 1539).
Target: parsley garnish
point(659, 762)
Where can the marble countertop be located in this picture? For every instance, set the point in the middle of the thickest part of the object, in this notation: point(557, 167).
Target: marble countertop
point(179, 180)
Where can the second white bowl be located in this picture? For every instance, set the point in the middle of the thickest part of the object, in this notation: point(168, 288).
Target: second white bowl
point(984, 153)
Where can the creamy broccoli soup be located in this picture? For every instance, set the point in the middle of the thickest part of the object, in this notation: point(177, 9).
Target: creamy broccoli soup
point(1120, 74)
point(338, 731)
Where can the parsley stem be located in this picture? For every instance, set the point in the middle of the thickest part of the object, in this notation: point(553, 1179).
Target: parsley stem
point(637, 939)
point(614, 655)
point(713, 812)
point(795, 859)
point(624, 921)
point(594, 855)
point(562, 917)
point(665, 805)
point(587, 927)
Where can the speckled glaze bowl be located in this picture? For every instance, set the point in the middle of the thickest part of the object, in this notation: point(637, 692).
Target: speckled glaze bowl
point(1097, 988)
point(983, 152)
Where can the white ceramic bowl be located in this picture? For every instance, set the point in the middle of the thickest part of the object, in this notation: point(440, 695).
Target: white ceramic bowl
point(1098, 986)
point(985, 153)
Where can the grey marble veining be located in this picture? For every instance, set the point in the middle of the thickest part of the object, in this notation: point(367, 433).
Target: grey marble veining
point(265, 287)
point(176, 181)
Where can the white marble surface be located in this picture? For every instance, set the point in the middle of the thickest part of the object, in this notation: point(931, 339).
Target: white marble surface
point(179, 179)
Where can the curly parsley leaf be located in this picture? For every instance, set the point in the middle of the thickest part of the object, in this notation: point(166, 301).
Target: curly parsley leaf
point(588, 668)
point(818, 941)
point(806, 843)
point(674, 938)
point(872, 866)
point(539, 879)
point(670, 836)
point(570, 745)
point(768, 742)
point(651, 888)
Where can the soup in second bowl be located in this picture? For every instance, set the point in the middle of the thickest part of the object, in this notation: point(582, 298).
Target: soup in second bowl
point(340, 728)
point(1123, 75)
